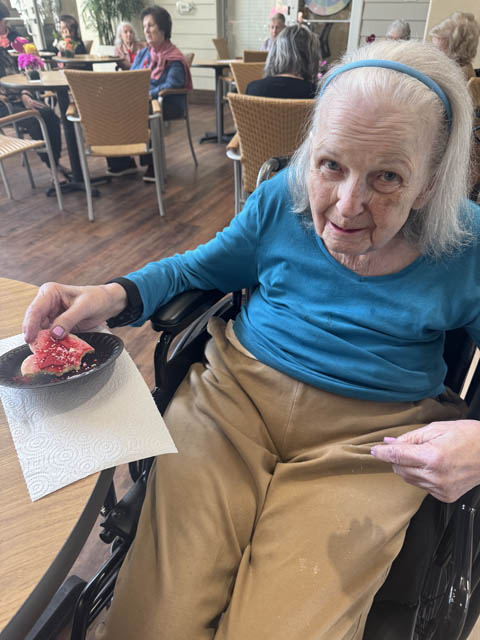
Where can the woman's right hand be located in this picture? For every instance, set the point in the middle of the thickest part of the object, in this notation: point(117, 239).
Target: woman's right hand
point(61, 308)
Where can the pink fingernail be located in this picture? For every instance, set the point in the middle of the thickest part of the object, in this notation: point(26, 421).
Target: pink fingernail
point(58, 332)
point(372, 451)
point(388, 439)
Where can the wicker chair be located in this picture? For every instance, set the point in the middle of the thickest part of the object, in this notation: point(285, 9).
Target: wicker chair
point(245, 72)
point(221, 46)
point(250, 55)
point(168, 92)
point(266, 127)
point(474, 87)
point(14, 145)
point(111, 119)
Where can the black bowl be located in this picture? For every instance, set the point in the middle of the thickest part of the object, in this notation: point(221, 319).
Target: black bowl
point(107, 348)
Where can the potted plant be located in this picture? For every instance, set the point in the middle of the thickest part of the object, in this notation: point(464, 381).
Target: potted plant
point(104, 15)
point(30, 62)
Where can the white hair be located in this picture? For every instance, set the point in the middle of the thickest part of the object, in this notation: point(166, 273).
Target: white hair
point(118, 34)
point(401, 27)
point(441, 225)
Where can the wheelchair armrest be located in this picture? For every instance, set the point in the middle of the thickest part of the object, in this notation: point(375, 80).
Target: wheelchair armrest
point(182, 310)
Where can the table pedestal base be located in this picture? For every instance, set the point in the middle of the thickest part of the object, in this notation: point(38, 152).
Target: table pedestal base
point(210, 136)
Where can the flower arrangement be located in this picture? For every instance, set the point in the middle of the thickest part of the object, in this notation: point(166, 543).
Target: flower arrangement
point(31, 64)
point(66, 46)
point(323, 68)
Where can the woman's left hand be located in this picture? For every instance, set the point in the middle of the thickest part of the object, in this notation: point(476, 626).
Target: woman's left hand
point(442, 458)
point(30, 103)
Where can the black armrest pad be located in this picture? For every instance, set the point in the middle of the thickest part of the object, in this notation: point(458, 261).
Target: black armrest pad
point(177, 314)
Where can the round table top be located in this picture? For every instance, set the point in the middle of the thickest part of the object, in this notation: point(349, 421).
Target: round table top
point(32, 533)
point(43, 54)
point(48, 80)
point(213, 63)
point(86, 57)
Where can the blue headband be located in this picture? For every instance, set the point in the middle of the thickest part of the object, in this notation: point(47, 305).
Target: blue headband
point(396, 66)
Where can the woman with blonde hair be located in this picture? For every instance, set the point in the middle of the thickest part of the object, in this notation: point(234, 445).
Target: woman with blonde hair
point(457, 36)
point(126, 45)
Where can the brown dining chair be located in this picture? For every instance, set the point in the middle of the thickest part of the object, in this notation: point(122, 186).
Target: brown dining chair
point(245, 72)
point(266, 128)
point(250, 55)
point(11, 145)
point(111, 119)
point(474, 88)
point(221, 47)
point(186, 116)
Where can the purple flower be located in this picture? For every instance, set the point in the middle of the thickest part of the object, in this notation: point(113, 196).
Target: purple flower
point(371, 38)
point(30, 61)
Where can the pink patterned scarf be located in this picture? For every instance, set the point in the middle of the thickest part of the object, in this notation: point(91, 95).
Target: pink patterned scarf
point(162, 55)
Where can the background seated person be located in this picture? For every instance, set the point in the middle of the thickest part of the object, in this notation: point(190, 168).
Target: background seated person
point(169, 71)
point(457, 36)
point(8, 35)
point(292, 66)
point(69, 31)
point(274, 520)
point(276, 26)
point(126, 45)
point(399, 30)
point(21, 101)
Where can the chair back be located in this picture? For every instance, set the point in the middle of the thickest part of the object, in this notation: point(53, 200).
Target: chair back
point(189, 58)
point(245, 72)
point(221, 46)
point(267, 127)
point(88, 45)
point(113, 107)
point(474, 88)
point(250, 55)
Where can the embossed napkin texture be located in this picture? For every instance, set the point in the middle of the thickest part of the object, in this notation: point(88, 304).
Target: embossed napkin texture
point(66, 432)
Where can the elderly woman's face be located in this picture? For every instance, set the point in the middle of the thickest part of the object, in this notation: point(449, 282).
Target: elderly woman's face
point(153, 35)
point(367, 171)
point(275, 28)
point(127, 34)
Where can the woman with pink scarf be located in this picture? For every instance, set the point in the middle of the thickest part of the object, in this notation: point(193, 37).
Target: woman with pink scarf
point(169, 71)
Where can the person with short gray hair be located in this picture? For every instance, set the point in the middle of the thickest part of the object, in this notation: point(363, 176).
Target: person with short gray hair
point(292, 66)
point(276, 26)
point(399, 30)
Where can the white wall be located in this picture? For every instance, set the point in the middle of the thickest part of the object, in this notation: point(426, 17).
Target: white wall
point(378, 14)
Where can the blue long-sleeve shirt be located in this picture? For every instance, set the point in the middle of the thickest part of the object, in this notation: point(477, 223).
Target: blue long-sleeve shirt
point(173, 77)
point(378, 338)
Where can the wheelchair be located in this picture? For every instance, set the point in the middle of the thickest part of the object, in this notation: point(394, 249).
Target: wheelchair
point(431, 590)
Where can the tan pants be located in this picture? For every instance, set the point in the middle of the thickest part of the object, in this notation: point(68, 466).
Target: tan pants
point(273, 511)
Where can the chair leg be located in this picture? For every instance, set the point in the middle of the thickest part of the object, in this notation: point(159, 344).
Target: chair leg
point(161, 133)
point(187, 121)
point(84, 165)
point(51, 162)
point(237, 174)
point(155, 131)
point(26, 164)
point(5, 181)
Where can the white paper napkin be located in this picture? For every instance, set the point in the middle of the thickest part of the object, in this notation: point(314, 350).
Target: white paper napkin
point(66, 432)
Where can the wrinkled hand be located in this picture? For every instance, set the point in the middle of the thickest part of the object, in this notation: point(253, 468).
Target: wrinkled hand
point(442, 458)
point(30, 103)
point(61, 308)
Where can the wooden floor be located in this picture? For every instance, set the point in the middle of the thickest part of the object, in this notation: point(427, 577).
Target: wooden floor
point(38, 243)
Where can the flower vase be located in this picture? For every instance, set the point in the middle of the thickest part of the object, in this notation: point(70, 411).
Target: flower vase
point(32, 74)
point(67, 53)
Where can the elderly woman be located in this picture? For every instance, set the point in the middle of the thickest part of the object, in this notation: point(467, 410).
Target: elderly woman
point(282, 512)
point(457, 36)
point(169, 71)
point(126, 45)
point(276, 26)
point(399, 30)
point(292, 66)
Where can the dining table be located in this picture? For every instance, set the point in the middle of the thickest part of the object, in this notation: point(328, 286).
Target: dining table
point(85, 59)
point(218, 66)
point(39, 541)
